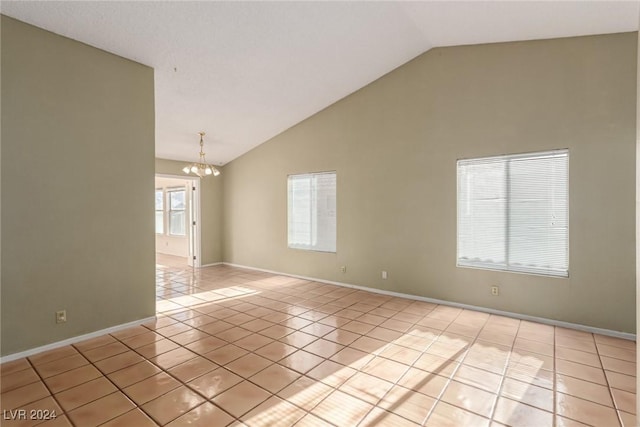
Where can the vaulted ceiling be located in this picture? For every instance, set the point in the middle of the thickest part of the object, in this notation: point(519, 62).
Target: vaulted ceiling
point(246, 71)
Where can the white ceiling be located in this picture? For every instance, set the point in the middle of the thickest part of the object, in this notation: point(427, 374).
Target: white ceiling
point(246, 71)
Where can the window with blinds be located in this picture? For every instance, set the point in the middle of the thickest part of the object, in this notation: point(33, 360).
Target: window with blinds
point(177, 212)
point(513, 213)
point(312, 211)
point(159, 211)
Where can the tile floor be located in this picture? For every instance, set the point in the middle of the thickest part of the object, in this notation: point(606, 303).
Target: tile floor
point(238, 347)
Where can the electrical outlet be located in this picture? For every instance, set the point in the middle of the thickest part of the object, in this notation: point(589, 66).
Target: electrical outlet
point(384, 275)
point(495, 291)
point(61, 316)
point(343, 268)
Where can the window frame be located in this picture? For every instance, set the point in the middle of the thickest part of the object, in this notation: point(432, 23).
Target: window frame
point(169, 209)
point(334, 248)
point(506, 266)
point(162, 233)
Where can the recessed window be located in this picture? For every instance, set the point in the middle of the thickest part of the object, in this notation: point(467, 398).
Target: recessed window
point(159, 211)
point(513, 213)
point(177, 212)
point(312, 211)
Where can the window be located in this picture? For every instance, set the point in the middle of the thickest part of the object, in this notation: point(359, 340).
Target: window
point(312, 211)
point(159, 211)
point(177, 214)
point(513, 213)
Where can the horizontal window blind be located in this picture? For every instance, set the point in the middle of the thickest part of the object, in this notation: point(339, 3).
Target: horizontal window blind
point(312, 211)
point(513, 213)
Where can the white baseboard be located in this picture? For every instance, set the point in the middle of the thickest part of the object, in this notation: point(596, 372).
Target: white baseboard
point(74, 340)
point(211, 265)
point(552, 322)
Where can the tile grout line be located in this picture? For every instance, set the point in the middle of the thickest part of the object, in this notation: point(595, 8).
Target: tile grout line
point(89, 363)
point(209, 400)
point(253, 352)
point(504, 374)
point(555, 381)
point(606, 379)
point(409, 367)
point(48, 389)
point(182, 383)
point(455, 370)
point(337, 388)
point(118, 389)
point(158, 366)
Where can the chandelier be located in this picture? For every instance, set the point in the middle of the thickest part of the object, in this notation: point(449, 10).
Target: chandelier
point(201, 167)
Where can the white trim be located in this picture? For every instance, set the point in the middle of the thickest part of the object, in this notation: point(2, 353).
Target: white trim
point(74, 340)
point(196, 216)
point(212, 264)
point(177, 176)
point(552, 322)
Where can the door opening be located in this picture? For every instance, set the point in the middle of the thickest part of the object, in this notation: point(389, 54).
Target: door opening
point(177, 220)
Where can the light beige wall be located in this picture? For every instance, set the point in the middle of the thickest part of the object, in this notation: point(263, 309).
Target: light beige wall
point(211, 209)
point(77, 188)
point(394, 145)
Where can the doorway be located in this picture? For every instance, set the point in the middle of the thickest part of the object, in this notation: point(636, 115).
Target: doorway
point(177, 205)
